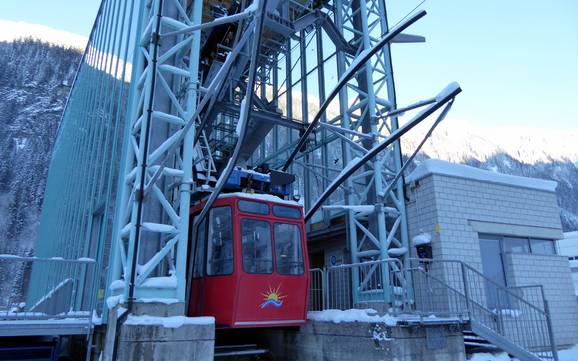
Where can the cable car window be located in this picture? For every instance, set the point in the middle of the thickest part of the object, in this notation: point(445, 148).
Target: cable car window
point(220, 242)
point(257, 250)
point(286, 212)
point(199, 248)
point(254, 207)
point(288, 251)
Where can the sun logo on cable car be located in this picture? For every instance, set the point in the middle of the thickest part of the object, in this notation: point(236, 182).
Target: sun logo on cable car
point(272, 298)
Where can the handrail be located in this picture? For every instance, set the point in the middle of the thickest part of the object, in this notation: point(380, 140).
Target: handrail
point(484, 277)
point(454, 289)
point(464, 290)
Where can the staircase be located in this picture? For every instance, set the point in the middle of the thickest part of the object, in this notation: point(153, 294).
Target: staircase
point(499, 317)
point(474, 343)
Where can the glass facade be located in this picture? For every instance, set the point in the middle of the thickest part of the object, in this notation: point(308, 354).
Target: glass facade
point(79, 200)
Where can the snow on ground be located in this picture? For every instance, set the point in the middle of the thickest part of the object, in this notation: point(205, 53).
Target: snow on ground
point(490, 357)
point(169, 322)
point(338, 316)
point(570, 354)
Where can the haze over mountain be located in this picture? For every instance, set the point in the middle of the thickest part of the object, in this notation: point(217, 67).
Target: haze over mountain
point(536, 153)
point(35, 79)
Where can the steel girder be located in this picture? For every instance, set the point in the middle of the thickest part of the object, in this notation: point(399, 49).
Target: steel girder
point(168, 112)
point(170, 106)
point(152, 217)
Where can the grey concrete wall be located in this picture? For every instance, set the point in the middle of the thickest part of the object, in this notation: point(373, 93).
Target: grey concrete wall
point(154, 343)
point(455, 210)
point(452, 203)
point(553, 273)
point(189, 342)
point(355, 341)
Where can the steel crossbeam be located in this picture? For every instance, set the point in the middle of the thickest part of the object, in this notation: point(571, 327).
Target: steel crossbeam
point(303, 86)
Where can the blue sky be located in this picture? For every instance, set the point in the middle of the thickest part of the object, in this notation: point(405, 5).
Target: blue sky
point(517, 60)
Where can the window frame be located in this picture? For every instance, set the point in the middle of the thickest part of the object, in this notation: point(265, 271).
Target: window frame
point(271, 243)
point(302, 254)
point(550, 242)
point(232, 223)
point(502, 238)
point(252, 201)
point(203, 244)
point(298, 209)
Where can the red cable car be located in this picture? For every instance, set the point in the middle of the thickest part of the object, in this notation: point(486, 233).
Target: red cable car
point(251, 267)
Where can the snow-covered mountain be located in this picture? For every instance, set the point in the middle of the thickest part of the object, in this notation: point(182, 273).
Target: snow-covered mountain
point(536, 153)
point(35, 80)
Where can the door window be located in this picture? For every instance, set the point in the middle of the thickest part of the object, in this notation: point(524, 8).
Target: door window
point(288, 252)
point(198, 248)
point(256, 243)
point(220, 242)
point(493, 269)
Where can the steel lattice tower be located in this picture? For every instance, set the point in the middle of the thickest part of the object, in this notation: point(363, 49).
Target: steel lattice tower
point(172, 94)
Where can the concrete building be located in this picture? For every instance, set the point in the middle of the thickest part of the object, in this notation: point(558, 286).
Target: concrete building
point(568, 246)
point(504, 226)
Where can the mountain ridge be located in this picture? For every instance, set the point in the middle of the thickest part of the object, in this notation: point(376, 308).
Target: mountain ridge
point(35, 79)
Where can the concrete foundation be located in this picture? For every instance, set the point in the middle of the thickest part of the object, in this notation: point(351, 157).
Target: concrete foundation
point(158, 342)
point(354, 341)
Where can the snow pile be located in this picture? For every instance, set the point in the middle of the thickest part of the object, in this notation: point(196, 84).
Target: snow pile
point(508, 312)
point(570, 354)
point(397, 252)
point(490, 357)
point(168, 322)
point(436, 166)
point(421, 239)
point(447, 91)
point(160, 282)
point(166, 301)
point(261, 197)
point(338, 316)
point(114, 300)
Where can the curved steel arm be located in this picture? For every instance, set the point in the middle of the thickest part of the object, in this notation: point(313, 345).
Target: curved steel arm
point(445, 96)
point(242, 131)
point(349, 73)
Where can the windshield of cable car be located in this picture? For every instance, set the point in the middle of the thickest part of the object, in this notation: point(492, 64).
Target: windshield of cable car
point(257, 249)
point(288, 253)
point(220, 242)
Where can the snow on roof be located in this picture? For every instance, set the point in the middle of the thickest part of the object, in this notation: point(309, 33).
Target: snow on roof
point(571, 235)
point(263, 197)
point(436, 166)
point(421, 239)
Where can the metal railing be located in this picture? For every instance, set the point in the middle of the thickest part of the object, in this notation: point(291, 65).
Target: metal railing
point(437, 291)
point(316, 287)
point(516, 319)
point(46, 288)
point(362, 285)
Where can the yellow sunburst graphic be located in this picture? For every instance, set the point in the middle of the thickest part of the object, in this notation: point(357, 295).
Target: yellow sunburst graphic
point(273, 297)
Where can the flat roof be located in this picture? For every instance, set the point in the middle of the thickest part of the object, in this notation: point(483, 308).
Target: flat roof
point(440, 167)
